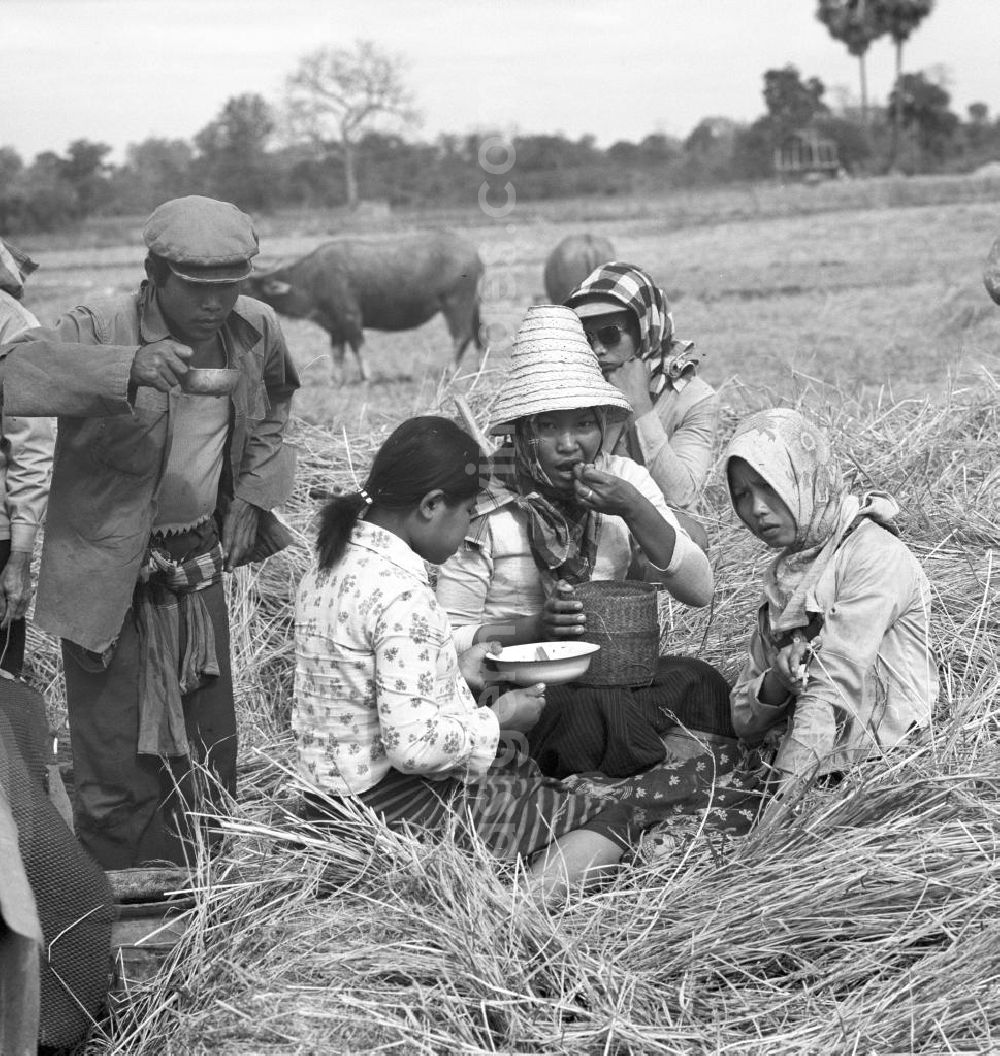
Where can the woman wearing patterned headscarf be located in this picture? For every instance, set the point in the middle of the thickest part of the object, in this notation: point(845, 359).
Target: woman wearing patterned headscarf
point(840, 666)
point(628, 322)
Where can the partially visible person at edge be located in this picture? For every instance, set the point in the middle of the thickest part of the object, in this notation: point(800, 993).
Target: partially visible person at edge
point(840, 663)
point(628, 323)
point(559, 511)
point(147, 508)
point(383, 713)
point(25, 467)
point(40, 381)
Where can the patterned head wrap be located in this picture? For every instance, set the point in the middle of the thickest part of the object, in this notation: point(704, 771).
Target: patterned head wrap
point(668, 358)
point(794, 458)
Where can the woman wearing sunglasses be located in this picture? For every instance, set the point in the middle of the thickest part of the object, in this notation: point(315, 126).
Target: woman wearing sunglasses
point(628, 323)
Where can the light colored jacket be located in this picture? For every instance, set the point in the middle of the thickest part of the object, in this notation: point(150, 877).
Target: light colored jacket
point(874, 677)
point(498, 578)
point(676, 439)
point(25, 451)
point(107, 470)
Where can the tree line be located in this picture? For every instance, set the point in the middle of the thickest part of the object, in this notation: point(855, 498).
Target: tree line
point(346, 121)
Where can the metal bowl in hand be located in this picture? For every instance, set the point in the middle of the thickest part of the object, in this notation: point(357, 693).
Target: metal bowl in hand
point(202, 381)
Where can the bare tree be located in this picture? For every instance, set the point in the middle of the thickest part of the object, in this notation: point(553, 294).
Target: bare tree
point(855, 24)
point(337, 95)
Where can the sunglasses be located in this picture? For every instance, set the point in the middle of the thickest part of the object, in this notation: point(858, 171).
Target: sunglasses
point(608, 335)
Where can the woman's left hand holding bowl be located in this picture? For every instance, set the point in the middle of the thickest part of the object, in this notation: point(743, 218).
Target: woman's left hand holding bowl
point(472, 664)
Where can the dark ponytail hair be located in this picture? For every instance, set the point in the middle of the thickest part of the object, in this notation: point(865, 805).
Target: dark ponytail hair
point(420, 455)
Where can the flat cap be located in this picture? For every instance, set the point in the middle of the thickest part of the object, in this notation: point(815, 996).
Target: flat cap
point(203, 240)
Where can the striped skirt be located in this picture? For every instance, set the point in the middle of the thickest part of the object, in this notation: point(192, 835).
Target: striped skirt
point(514, 809)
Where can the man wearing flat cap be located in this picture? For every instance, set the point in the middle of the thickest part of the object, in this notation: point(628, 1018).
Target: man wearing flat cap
point(148, 506)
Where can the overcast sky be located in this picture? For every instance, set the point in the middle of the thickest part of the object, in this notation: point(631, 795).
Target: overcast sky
point(120, 71)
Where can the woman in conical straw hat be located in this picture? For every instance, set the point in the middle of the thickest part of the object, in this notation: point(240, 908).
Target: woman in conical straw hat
point(560, 511)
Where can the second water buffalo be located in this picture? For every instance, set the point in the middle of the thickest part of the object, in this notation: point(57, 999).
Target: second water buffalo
point(572, 261)
point(351, 284)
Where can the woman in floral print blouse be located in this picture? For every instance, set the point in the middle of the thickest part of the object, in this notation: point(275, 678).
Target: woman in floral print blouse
point(383, 712)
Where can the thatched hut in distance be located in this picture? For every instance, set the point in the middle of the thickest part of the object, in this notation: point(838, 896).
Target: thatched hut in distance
point(806, 155)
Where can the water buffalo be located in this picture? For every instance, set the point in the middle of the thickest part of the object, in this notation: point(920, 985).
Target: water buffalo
point(351, 284)
point(572, 261)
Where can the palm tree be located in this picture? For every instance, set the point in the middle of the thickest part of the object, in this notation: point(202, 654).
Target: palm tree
point(899, 18)
point(854, 24)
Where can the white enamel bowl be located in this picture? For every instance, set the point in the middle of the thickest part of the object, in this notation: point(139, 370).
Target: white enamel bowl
point(564, 661)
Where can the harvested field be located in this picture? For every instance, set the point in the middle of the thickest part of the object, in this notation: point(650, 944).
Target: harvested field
point(867, 922)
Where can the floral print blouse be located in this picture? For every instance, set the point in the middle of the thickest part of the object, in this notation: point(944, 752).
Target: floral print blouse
point(377, 682)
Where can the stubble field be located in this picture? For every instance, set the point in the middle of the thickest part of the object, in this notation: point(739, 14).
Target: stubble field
point(868, 922)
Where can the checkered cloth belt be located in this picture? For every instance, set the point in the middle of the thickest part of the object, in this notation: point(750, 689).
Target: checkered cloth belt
point(166, 591)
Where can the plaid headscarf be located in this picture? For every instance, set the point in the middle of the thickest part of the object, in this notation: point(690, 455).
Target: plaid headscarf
point(561, 533)
point(794, 457)
point(668, 358)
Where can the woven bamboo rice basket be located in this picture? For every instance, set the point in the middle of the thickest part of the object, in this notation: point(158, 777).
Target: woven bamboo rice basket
point(622, 618)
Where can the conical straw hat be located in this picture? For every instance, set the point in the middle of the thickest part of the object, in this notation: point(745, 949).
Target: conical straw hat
point(553, 368)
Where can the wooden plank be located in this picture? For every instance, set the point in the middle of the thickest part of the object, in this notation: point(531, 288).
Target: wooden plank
point(149, 932)
point(146, 885)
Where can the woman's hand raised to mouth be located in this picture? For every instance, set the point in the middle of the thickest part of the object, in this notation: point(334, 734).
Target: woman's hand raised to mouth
point(604, 492)
point(632, 377)
point(609, 494)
